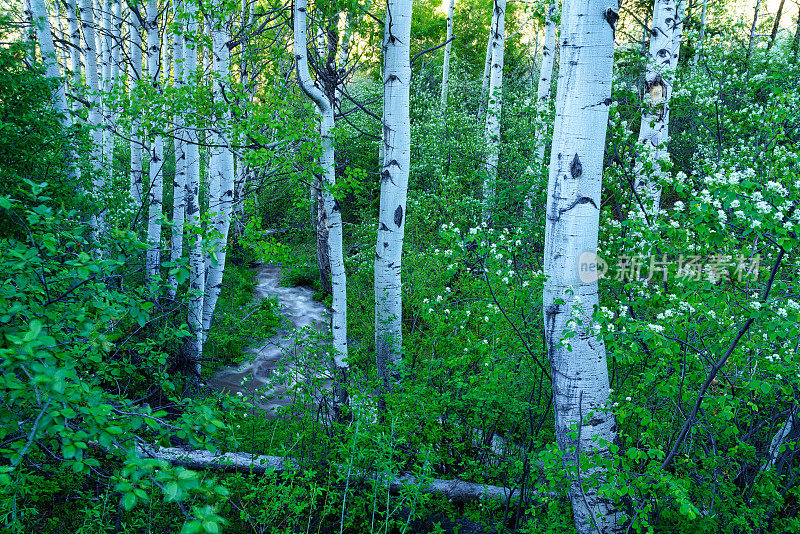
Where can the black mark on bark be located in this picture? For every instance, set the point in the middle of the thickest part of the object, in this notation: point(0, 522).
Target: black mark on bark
point(398, 216)
point(575, 168)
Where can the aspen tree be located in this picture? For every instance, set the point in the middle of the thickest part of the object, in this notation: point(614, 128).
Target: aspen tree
point(221, 171)
point(41, 23)
point(136, 144)
point(97, 221)
point(494, 111)
point(179, 180)
point(197, 271)
point(662, 61)
point(543, 90)
point(487, 67)
point(584, 425)
point(332, 214)
point(447, 47)
point(394, 188)
point(156, 185)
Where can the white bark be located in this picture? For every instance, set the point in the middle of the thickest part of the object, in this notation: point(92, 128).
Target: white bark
point(576, 352)
point(394, 189)
point(74, 50)
point(495, 108)
point(156, 185)
point(487, 63)
point(447, 47)
point(789, 431)
point(116, 43)
point(753, 28)
point(41, 23)
point(135, 53)
point(222, 173)
point(332, 214)
point(197, 271)
point(456, 490)
point(662, 61)
point(107, 83)
point(700, 40)
point(97, 221)
point(242, 170)
point(179, 182)
point(543, 92)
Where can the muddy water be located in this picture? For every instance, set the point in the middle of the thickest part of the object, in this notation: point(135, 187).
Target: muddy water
point(273, 367)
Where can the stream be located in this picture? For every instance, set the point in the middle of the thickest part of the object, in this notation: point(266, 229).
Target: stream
point(256, 377)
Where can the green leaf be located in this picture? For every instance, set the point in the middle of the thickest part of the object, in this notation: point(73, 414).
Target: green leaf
point(128, 501)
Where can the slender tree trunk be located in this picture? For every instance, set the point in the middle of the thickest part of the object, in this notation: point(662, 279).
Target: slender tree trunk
point(584, 425)
point(796, 41)
point(41, 23)
point(776, 25)
point(487, 67)
point(242, 170)
point(662, 62)
point(97, 221)
point(701, 39)
point(136, 144)
point(222, 171)
point(495, 109)
point(179, 181)
point(30, 31)
point(197, 269)
point(789, 431)
point(447, 47)
point(332, 212)
point(394, 189)
point(543, 92)
point(753, 28)
point(156, 185)
point(74, 58)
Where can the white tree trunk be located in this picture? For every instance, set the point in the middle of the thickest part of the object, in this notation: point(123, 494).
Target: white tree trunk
point(116, 41)
point(156, 185)
point(242, 170)
point(701, 38)
point(662, 61)
point(106, 30)
point(576, 352)
point(179, 181)
point(487, 67)
point(74, 50)
point(41, 23)
point(135, 54)
point(447, 47)
point(789, 431)
point(495, 109)
point(753, 28)
point(197, 266)
point(332, 214)
point(543, 92)
point(222, 173)
point(97, 221)
point(394, 189)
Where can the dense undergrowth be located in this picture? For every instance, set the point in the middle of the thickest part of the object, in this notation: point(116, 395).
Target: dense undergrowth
point(91, 365)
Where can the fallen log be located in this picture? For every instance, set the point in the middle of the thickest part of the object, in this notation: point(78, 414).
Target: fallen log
point(455, 490)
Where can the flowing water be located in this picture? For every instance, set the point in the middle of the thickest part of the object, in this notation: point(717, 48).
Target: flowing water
point(280, 355)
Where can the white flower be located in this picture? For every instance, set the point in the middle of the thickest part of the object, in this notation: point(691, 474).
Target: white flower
point(447, 311)
point(755, 305)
